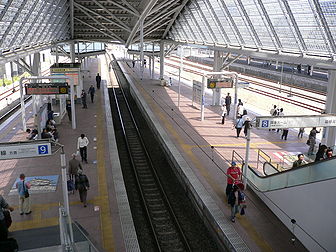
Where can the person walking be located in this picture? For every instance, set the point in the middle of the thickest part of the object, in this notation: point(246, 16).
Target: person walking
point(3, 225)
point(133, 63)
point(92, 92)
point(312, 140)
point(236, 199)
point(82, 185)
point(301, 131)
point(74, 166)
point(233, 174)
point(300, 161)
point(83, 97)
point(280, 113)
point(228, 101)
point(24, 197)
point(68, 109)
point(284, 133)
point(223, 113)
point(82, 144)
point(239, 126)
point(98, 80)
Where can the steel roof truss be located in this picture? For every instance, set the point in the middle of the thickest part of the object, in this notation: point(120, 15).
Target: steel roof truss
point(269, 25)
point(130, 7)
point(112, 15)
point(190, 29)
point(161, 5)
point(7, 5)
point(174, 18)
point(152, 29)
point(229, 63)
point(83, 9)
point(129, 10)
point(56, 26)
point(247, 19)
point(217, 21)
point(28, 69)
point(23, 3)
point(160, 16)
point(200, 13)
point(193, 19)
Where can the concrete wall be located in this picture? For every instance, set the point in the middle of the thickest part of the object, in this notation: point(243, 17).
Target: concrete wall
point(313, 207)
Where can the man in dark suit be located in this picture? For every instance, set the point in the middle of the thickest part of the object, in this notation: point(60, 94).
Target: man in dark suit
point(98, 80)
point(228, 104)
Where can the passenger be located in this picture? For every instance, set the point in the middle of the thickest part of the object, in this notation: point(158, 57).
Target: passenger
point(321, 153)
point(3, 225)
point(145, 63)
point(98, 80)
point(236, 199)
point(233, 174)
point(50, 115)
point(228, 104)
point(301, 131)
point(299, 68)
point(83, 97)
point(300, 161)
point(74, 166)
point(50, 124)
point(170, 81)
point(239, 125)
point(223, 113)
point(82, 185)
point(45, 134)
point(273, 112)
point(312, 140)
point(32, 135)
point(246, 123)
point(82, 143)
point(284, 133)
point(133, 64)
point(23, 191)
point(54, 134)
point(92, 92)
point(329, 153)
point(68, 109)
point(240, 111)
point(280, 113)
point(240, 102)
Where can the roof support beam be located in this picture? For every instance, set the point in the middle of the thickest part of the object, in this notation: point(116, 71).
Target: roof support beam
point(129, 10)
point(278, 44)
point(325, 26)
point(201, 14)
point(144, 14)
point(130, 7)
point(174, 18)
point(196, 24)
point(112, 15)
point(72, 23)
point(189, 27)
point(229, 63)
point(61, 20)
point(255, 36)
point(161, 5)
point(24, 67)
point(106, 34)
point(160, 16)
point(294, 24)
point(83, 8)
point(218, 23)
point(3, 12)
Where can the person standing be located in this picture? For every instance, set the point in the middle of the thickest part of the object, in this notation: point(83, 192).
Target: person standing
point(233, 174)
point(74, 166)
point(239, 125)
point(3, 225)
point(312, 140)
point(321, 153)
point(281, 113)
point(83, 97)
point(228, 104)
point(24, 197)
point(223, 113)
point(300, 161)
point(301, 131)
point(82, 185)
point(133, 63)
point(284, 133)
point(82, 144)
point(68, 109)
point(98, 80)
point(92, 92)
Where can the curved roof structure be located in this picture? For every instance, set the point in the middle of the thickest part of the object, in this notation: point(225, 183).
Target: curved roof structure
point(303, 27)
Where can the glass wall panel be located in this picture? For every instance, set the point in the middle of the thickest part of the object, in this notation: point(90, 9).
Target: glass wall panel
point(329, 11)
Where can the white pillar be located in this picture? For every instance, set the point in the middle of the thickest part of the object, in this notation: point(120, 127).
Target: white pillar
point(203, 98)
point(153, 58)
point(36, 68)
point(72, 52)
point(216, 93)
point(330, 135)
point(141, 50)
point(248, 60)
point(56, 54)
point(161, 59)
point(311, 70)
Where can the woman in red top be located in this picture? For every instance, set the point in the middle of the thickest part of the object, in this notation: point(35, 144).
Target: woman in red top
point(233, 174)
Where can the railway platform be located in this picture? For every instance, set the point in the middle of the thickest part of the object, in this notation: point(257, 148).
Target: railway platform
point(206, 147)
point(102, 219)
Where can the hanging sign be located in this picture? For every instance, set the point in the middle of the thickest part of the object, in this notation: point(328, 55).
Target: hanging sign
point(47, 88)
point(220, 83)
point(25, 150)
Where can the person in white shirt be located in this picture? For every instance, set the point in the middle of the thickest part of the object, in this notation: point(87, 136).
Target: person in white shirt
point(82, 144)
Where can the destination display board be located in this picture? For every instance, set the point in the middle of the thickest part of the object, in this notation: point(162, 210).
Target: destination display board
point(306, 121)
point(71, 70)
point(220, 83)
point(25, 150)
point(47, 88)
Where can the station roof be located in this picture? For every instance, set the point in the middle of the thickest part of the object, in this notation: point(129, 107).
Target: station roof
point(306, 27)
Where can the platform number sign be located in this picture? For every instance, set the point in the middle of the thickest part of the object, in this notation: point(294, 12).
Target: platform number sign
point(264, 123)
point(43, 149)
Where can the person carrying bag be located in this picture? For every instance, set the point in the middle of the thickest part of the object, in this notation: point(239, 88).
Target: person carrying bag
point(23, 191)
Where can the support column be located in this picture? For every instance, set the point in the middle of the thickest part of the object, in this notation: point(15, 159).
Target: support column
point(36, 67)
point(141, 50)
point(330, 134)
point(153, 58)
point(150, 66)
point(161, 59)
point(56, 54)
point(72, 52)
point(216, 93)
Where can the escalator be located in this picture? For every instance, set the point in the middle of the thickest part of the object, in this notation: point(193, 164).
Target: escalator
point(303, 198)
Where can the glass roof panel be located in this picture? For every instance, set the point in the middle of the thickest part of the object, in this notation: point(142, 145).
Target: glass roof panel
point(329, 11)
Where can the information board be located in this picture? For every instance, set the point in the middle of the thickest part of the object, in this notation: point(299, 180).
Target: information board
point(197, 92)
point(47, 88)
point(71, 70)
point(220, 83)
point(306, 121)
point(25, 150)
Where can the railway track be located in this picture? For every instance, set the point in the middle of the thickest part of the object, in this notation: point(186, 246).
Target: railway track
point(165, 228)
point(268, 94)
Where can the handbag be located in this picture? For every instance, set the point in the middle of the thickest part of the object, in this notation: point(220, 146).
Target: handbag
point(308, 142)
point(26, 193)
